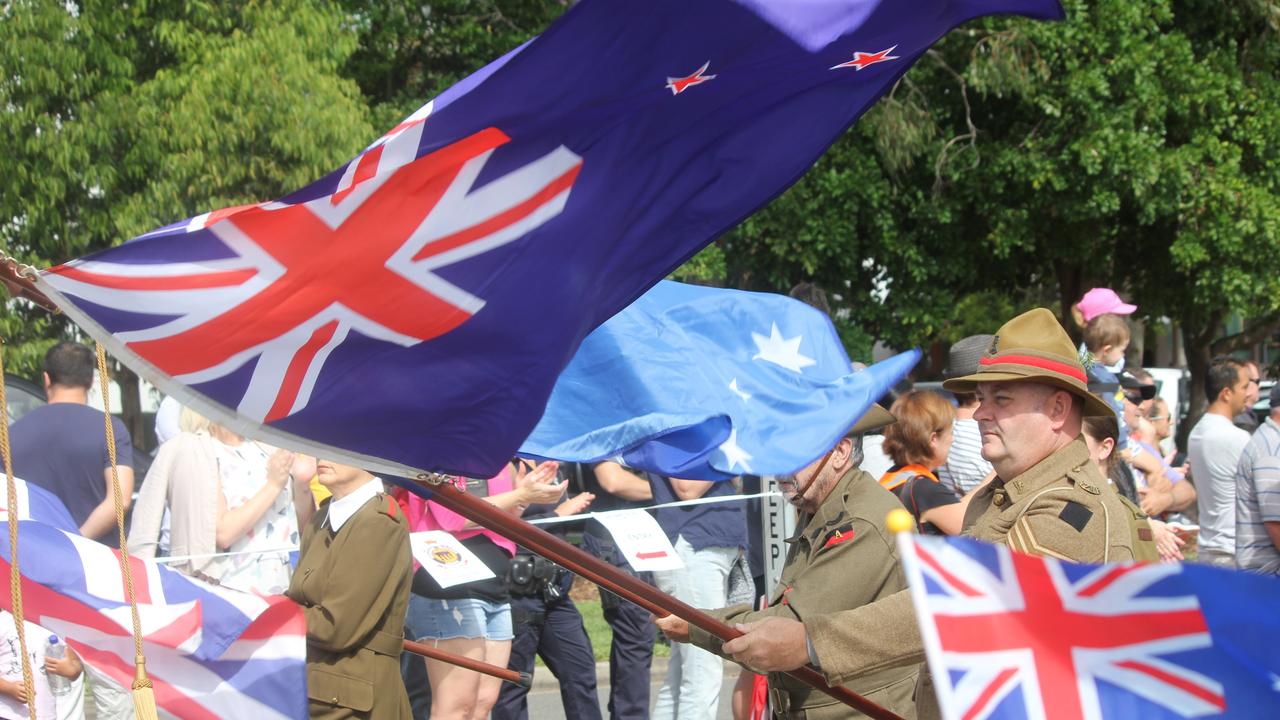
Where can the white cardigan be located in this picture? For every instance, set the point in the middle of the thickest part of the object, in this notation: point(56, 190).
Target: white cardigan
point(184, 478)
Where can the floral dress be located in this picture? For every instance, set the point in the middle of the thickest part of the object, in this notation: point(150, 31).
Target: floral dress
point(258, 561)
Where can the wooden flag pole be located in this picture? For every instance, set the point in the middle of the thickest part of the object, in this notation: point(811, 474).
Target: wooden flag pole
point(523, 679)
point(614, 580)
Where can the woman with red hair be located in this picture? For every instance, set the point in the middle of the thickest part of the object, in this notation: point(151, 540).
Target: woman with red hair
point(919, 442)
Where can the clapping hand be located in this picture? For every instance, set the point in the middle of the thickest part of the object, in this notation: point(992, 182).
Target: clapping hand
point(538, 485)
point(575, 504)
point(278, 466)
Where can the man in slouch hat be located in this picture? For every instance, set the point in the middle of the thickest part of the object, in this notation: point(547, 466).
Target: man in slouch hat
point(1048, 498)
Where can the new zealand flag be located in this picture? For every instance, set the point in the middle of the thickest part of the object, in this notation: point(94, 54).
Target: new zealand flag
point(412, 309)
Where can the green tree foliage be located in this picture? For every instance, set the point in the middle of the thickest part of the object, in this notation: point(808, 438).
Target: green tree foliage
point(410, 51)
point(1144, 156)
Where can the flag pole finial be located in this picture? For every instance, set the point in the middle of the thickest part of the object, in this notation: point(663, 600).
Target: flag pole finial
point(899, 521)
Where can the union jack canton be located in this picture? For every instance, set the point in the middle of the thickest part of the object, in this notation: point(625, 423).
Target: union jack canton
point(1010, 635)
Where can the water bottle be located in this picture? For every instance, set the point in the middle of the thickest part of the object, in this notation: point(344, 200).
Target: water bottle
point(57, 650)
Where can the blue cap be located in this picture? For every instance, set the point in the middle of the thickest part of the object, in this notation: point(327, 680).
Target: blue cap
point(53, 640)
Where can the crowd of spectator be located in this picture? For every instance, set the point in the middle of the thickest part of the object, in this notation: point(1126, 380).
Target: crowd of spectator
point(230, 510)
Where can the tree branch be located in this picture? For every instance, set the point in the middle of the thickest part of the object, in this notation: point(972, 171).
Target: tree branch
point(971, 135)
point(1260, 330)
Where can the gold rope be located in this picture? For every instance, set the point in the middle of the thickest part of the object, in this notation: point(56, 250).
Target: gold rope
point(15, 576)
point(144, 700)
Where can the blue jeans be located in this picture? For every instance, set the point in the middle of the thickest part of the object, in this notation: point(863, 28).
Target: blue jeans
point(435, 619)
point(691, 689)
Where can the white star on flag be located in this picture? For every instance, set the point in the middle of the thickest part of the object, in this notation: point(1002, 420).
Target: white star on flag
point(734, 455)
point(779, 351)
point(733, 386)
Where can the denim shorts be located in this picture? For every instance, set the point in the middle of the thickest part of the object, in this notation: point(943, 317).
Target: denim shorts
point(432, 619)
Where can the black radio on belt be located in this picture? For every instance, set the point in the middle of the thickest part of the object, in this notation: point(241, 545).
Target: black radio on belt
point(533, 575)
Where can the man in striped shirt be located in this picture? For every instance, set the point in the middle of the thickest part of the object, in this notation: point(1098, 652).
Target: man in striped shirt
point(1258, 497)
point(965, 468)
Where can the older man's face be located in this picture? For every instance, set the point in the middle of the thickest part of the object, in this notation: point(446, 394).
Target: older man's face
point(807, 487)
point(1016, 432)
point(798, 487)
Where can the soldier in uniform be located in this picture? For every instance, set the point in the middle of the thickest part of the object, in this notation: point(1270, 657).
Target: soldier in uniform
point(841, 536)
point(1048, 499)
point(352, 581)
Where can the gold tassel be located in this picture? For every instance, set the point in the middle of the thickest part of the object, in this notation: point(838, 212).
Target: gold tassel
point(144, 698)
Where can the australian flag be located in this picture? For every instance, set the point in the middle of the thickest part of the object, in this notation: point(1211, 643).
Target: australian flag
point(1017, 636)
point(709, 383)
point(412, 309)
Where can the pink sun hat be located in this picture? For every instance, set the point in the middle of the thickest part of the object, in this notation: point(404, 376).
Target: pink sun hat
point(1100, 301)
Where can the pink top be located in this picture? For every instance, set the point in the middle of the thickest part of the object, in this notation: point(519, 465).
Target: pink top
point(429, 515)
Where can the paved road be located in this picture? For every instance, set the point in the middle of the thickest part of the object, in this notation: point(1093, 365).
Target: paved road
point(544, 697)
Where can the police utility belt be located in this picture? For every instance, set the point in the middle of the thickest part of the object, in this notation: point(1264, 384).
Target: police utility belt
point(534, 576)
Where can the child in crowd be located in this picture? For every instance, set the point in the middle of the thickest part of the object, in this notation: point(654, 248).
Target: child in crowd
point(13, 690)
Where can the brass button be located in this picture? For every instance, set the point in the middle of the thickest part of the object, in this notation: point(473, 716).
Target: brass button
point(998, 500)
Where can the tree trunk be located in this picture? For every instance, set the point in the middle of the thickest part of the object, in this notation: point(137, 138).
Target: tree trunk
point(131, 406)
point(1070, 288)
point(1197, 344)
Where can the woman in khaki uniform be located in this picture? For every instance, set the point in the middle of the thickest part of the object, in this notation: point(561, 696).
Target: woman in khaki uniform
point(353, 583)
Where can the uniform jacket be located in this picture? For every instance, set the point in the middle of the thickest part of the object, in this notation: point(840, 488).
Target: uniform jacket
point(842, 557)
point(354, 588)
point(1062, 507)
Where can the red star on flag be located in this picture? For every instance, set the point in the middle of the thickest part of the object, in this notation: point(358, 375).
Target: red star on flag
point(679, 85)
point(864, 60)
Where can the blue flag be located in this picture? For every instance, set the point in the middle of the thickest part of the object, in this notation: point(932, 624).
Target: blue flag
point(1016, 636)
point(412, 309)
point(706, 383)
point(32, 502)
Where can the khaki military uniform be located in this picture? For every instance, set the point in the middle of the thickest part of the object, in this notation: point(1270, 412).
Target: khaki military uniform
point(354, 588)
point(1062, 507)
point(842, 557)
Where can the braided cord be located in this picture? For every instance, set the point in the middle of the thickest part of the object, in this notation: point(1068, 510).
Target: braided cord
point(15, 574)
point(125, 567)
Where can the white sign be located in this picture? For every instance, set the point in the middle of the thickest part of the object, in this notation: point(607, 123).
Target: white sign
point(777, 523)
point(640, 540)
point(446, 559)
